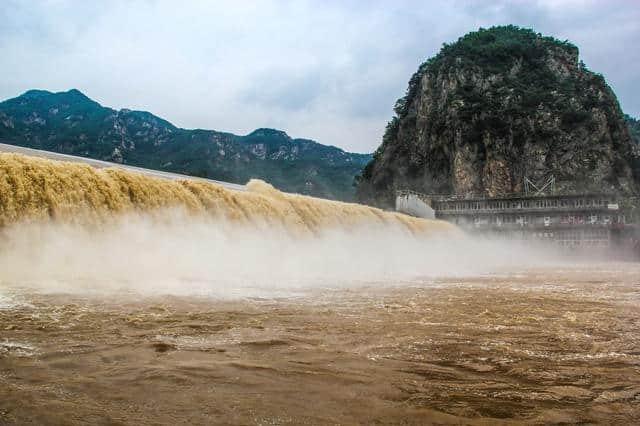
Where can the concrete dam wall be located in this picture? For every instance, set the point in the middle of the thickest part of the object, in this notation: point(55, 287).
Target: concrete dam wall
point(105, 164)
point(411, 204)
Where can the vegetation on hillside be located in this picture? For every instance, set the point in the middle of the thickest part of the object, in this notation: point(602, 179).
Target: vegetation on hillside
point(71, 123)
point(493, 51)
point(493, 85)
point(634, 130)
point(634, 134)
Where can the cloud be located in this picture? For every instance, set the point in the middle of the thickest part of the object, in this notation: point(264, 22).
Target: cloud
point(329, 71)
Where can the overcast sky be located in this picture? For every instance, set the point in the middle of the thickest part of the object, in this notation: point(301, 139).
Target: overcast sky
point(325, 70)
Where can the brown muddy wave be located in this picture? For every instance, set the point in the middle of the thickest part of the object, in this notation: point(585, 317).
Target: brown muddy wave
point(71, 227)
point(546, 346)
point(41, 190)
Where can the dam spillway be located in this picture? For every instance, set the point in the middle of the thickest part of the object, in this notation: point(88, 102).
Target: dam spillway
point(104, 164)
point(58, 188)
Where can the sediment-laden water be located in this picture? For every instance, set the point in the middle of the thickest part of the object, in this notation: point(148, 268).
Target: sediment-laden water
point(537, 346)
point(130, 300)
point(41, 190)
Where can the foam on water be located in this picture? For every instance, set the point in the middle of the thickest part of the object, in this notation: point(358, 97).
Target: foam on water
point(66, 227)
point(6, 302)
point(14, 348)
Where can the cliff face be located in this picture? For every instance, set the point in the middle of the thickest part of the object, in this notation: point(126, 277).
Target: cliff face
point(71, 123)
point(634, 134)
point(495, 107)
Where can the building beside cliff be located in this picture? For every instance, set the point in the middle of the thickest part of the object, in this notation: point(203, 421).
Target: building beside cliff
point(570, 221)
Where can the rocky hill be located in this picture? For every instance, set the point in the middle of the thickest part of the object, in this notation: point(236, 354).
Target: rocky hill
point(499, 105)
point(71, 123)
point(634, 133)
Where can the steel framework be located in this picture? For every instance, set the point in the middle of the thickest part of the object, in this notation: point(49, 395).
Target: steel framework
point(530, 187)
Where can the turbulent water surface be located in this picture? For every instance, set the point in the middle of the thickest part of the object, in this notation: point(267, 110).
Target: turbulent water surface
point(131, 300)
point(547, 345)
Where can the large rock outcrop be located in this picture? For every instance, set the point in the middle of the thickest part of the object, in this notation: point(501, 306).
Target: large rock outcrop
point(495, 107)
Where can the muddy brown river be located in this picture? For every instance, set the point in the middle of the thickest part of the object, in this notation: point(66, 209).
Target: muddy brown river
point(541, 346)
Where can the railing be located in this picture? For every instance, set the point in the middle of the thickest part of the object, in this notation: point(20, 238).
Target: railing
point(483, 197)
point(542, 226)
point(530, 209)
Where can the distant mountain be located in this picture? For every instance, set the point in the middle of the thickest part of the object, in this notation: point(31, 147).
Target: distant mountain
point(71, 123)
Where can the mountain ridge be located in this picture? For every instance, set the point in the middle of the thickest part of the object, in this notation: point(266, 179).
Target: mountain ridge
point(70, 122)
